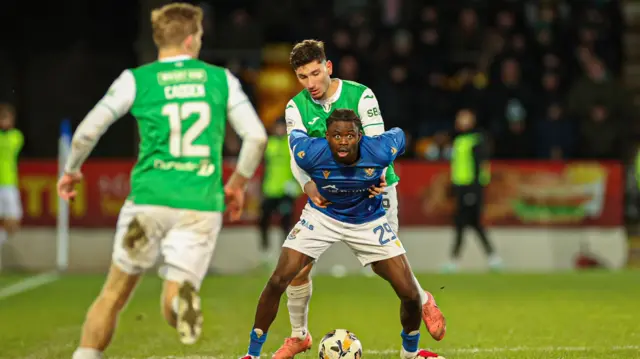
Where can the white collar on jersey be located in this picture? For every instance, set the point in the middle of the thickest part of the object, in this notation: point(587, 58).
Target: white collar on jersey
point(326, 104)
point(175, 58)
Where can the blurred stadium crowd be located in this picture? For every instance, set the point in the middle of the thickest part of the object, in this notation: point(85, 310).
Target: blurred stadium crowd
point(544, 77)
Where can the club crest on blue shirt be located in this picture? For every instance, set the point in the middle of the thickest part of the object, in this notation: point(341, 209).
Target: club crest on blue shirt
point(326, 174)
point(301, 154)
point(394, 150)
point(369, 172)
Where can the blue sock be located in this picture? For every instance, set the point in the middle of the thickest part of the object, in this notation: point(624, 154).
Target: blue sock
point(257, 340)
point(410, 341)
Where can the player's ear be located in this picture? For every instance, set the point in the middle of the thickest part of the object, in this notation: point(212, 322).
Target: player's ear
point(188, 42)
point(329, 67)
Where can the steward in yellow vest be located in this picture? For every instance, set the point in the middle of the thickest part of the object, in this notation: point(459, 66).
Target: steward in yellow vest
point(470, 174)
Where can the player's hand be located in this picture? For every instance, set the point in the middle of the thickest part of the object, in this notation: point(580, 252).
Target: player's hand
point(378, 190)
point(311, 190)
point(67, 185)
point(234, 196)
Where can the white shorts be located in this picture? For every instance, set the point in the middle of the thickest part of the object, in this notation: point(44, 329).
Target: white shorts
point(370, 242)
point(390, 204)
point(10, 205)
point(185, 238)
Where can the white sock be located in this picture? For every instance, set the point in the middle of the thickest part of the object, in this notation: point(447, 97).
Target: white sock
point(174, 304)
point(298, 304)
point(87, 353)
point(407, 355)
point(424, 298)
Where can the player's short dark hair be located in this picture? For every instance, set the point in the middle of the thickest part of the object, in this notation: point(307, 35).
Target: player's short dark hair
point(344, 115)
point(306, 52)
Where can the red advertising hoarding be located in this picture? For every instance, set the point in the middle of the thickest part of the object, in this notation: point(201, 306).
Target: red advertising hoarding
point(520, 194)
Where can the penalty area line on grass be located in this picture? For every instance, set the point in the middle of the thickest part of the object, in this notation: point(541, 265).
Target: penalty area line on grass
point(443, 351)
point(28, 284)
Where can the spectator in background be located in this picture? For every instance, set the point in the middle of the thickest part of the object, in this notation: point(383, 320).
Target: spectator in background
point(595, 33)
point(428, 30)
point(467, 38)
point(598, 86)
point(551, 90)
point(505, 23)
point(434, 103)
point(348, 68)
point(397, 83)
point(515, 45)
point(341, 44)
point(554, 135)
point(516, 141)
point(508, 99)
point(427, 17)
point(520, 51)
point(241, 38)
point(552, 62)
point(600, 135)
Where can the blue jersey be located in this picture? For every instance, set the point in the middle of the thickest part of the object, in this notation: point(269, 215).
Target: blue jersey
point(347, 187)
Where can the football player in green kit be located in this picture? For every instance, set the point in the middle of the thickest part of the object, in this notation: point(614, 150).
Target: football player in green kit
point(177, 198)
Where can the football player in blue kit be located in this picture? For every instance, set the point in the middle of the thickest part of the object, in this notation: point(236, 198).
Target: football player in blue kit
point(344, 166)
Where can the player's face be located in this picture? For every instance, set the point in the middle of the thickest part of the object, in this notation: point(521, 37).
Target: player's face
point(6, 121)
point(315, 77)
point(343, 138)
point(280, 129)
point(465, 121)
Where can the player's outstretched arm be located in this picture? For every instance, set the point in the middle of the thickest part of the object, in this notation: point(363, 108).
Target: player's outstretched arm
point(115, 104)
point(294, 122)
point(389, 145)
point(244, 120)
point(306, 151)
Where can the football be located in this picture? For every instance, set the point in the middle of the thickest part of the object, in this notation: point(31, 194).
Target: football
point(340, 344)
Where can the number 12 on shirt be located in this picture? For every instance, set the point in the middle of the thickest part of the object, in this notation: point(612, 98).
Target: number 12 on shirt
point(180, 145)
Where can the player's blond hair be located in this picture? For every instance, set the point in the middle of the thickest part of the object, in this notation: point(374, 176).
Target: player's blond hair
point(173, 23)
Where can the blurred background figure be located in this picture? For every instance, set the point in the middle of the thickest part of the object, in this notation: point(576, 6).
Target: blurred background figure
point(470, 174)
point(279, 189)
point(11, 141)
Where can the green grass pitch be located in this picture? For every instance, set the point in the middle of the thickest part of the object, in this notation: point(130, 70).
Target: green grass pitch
point(489, 316)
